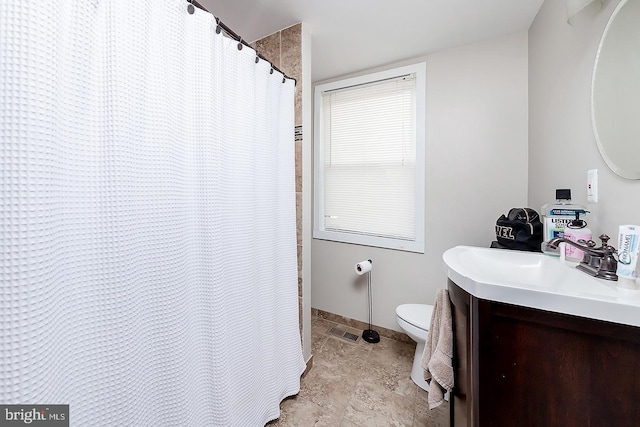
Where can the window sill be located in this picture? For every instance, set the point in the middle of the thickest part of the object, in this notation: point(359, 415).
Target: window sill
point(364, 240)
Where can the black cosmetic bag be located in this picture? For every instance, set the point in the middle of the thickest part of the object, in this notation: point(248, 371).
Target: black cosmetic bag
point(521, 230)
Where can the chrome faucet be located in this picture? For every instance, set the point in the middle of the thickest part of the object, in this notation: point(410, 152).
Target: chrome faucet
point(597, 262)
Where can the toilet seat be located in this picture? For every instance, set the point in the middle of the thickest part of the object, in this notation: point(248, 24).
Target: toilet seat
point(418, 315)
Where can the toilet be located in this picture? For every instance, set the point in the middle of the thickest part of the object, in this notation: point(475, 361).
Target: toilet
point(414, 319)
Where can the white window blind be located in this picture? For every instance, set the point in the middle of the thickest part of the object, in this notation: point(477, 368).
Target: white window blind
point(369, 174)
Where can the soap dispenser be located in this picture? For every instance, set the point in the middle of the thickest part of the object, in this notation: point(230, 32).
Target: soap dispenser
point(574, 231)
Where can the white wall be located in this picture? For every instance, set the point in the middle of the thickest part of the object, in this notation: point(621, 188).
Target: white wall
point(476, 169)
point(561, 143)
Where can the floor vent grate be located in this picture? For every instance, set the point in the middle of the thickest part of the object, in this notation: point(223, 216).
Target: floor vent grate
point(343, 334)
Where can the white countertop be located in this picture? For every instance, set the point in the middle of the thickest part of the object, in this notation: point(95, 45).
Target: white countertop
point(539, 281)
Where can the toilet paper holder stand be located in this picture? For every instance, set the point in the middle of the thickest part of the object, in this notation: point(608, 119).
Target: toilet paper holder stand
point(369, 335)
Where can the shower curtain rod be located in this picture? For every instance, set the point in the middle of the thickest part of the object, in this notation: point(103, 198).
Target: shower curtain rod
point(241, 42)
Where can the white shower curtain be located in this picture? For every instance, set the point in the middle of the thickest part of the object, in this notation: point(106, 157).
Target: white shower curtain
point(148, 266)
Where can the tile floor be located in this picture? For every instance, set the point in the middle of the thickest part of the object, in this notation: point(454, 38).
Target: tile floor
point(358, 384)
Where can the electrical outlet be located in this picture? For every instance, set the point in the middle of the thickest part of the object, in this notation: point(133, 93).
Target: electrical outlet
point(592, 186)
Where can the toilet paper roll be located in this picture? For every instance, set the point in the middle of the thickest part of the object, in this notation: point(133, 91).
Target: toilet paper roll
point(363, 267)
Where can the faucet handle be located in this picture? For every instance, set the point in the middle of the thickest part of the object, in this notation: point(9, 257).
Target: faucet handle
point(608, 249)
point(588, 243)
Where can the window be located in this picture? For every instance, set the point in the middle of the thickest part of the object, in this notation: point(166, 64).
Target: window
point(369, 159)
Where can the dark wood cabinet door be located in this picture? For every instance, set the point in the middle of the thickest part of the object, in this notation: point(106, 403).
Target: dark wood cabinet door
point(527, 367)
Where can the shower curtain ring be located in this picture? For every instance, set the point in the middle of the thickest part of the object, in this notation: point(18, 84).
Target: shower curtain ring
point(190, 8)
point(257, 57)
point(218, 27)
point(240, 44)
point(271, 70)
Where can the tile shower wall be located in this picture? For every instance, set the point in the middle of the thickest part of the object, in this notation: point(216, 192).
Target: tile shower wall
point(284, 50)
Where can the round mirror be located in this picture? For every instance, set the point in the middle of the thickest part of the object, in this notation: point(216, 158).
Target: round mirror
point(615, 91)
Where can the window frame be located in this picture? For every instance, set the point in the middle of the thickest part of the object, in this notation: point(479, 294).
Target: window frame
point(417, 245)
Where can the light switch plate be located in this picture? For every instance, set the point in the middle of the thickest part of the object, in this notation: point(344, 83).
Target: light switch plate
point(592, 186)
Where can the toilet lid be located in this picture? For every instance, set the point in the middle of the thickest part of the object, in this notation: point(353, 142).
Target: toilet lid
point(419, 315)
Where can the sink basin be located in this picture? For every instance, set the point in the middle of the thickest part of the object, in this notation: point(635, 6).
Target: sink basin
point(539, 281)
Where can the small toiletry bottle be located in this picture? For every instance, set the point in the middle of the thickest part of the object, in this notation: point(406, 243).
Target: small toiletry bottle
point(628, 254)
point(555, 218)
point(576, 230)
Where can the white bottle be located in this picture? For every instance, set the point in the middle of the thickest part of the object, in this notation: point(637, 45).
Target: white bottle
point(628, 251)
point(576, 230)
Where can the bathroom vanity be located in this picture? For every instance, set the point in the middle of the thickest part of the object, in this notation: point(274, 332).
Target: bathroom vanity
point(538, 343)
